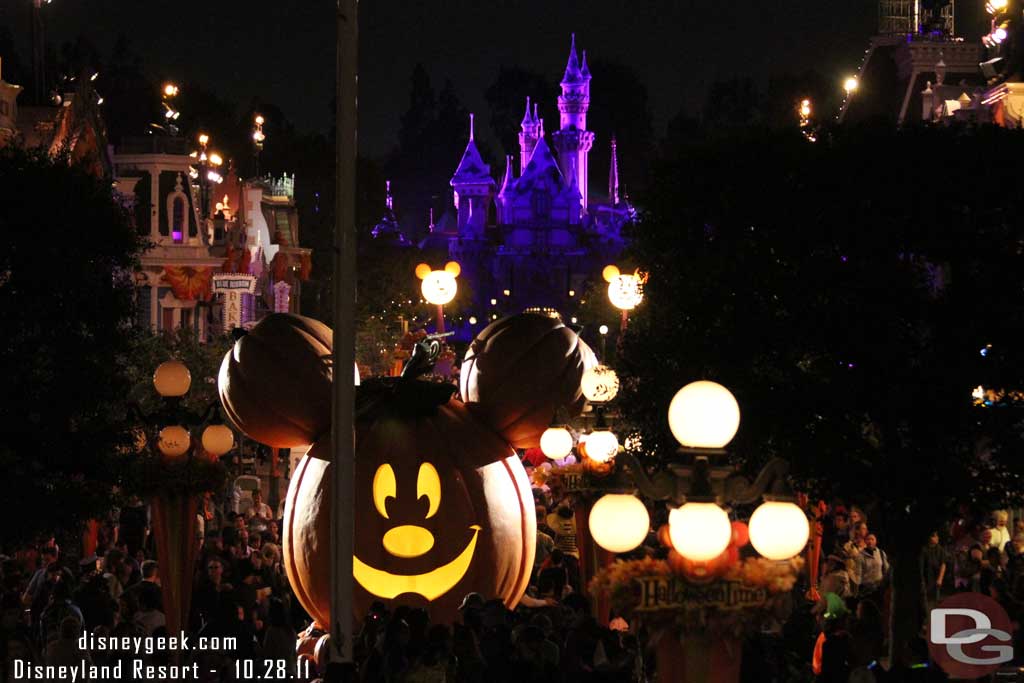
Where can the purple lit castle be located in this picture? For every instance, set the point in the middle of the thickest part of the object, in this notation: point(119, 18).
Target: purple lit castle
point(537, 238)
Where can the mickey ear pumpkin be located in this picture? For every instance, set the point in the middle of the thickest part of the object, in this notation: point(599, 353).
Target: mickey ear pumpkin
point(275, 382)
point(519, 370)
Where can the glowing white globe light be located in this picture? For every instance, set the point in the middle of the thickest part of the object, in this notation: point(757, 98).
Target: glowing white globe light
point(439, 287)
point(218, 440)
point(779, 530)
point(704, 415)
point(625, 291)
point(619, 522)
point(172, 379)
point(699, 531)
point(173, 441)
point(600, 384)
point(556, 442)
point(602, 445)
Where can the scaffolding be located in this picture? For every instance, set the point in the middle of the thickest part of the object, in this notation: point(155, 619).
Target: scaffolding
point(914, 17)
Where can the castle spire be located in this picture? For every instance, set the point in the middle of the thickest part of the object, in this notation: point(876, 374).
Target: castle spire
point(389, 201)
point(471, 115)
point(572, 68)
point(526, 117)
point(613, 175)
point(584, 69)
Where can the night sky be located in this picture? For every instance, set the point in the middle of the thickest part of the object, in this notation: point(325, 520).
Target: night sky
point(283, 51)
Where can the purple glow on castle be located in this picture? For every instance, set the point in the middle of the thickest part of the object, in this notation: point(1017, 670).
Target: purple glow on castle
point(547, 233)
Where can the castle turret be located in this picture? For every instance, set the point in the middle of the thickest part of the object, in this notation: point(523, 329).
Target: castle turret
point(473, 188)
point(528, 136)
point(573, 141)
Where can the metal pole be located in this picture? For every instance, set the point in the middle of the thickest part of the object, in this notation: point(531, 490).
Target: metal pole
point(625, 321)
point(440, 319)
point(343, 434)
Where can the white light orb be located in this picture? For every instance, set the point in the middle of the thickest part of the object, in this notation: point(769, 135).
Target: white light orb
point(172, 379)
point(218, 440)
point(625, 291)
point(619, 522)
point(556, 443)
point(603, 329)
point(600, 384)
point(602, 445)
point(699, 531)
point(704, 415)
point(439, 287)
point(779, 530)
point(174, 441)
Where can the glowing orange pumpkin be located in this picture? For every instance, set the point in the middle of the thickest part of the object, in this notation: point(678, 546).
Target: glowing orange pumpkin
point(275, 382)
point(519, 370)
point(444, 508)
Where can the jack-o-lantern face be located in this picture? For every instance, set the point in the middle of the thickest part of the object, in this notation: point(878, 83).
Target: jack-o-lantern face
point(443, 508)
point(411, 540)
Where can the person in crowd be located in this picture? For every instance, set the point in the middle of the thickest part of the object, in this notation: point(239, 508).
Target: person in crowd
point(851, 553)
point(563, 522)
point(932, 570)
point(260, 509)
point(873, 568)
point(999, 534)
point(992, 569)
point(49, 556)
point(211, 594)
point(64, 651)
point(831, 659)
point(149, 616)
point(58, 607)
point(837, 533)
point(968, 570)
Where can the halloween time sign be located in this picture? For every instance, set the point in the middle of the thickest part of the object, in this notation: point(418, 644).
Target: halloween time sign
point(673, 593)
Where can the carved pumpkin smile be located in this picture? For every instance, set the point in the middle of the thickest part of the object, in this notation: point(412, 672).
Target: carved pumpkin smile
point(410, 540)
point(431, 585)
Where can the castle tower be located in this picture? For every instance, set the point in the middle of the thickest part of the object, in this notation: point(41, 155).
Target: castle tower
point(528, 136)
point(473, 187)
point(573, 141)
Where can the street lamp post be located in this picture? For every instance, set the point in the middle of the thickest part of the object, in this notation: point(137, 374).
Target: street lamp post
point(258, 138)
point(439, 287)
point(625, 291)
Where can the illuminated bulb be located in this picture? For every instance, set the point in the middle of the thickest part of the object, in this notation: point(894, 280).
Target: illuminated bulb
point(494, 302)
point(172, 379)
point(602, 445)
point(850, 84)
point(216, 159)
point(699, 531)
point(572, 292)
point(173, 441)
point(619, 522)
point(779, 530)
point(704, 415)
point(625, 291)
point(999, 35)
point(170, 90)
point(603, 329)
point(506, 292)
point(218, 440)
point(472, 320)
point(556, 443)
point(259, 119)
point(574, 320)
point(600, 384)
point(204, 139)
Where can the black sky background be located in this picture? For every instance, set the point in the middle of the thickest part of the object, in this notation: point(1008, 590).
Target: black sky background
point(283, 51)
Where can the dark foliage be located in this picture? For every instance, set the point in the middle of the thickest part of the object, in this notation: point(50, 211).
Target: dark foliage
point(66, 259)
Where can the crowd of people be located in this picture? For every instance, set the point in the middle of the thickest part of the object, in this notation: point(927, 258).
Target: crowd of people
point(240, 591)
point(979, 555)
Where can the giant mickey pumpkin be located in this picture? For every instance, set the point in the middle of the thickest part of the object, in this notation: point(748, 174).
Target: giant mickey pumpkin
point(445, 509)
point(443, 505)
point(519, 370)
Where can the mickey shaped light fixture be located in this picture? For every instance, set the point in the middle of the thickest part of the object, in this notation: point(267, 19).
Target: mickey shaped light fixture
point(625, 290)
point(439, 286)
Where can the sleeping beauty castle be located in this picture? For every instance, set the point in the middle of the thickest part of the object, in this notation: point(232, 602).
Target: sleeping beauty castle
point(534, 236)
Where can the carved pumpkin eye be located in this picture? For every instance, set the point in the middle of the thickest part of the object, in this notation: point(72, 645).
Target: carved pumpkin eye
point(384, 487)
point(428, 484)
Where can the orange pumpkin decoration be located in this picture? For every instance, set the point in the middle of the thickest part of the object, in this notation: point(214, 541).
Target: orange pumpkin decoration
point(275, 383)
point(664, 538)
point(740, 534)
point(445, 508)
point(519, 370)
